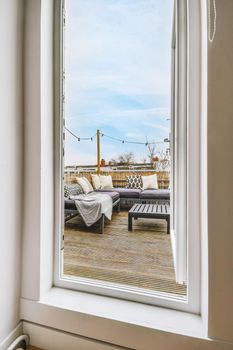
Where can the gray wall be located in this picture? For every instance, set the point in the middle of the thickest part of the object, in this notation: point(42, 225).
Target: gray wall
point(220, 174)
point(11, 28)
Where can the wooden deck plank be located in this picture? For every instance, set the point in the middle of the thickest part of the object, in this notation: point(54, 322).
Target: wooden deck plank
point(141, 258)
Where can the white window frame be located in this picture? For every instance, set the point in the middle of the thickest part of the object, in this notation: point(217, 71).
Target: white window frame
point(110, 320)
point(188, 108)
point(178, 138)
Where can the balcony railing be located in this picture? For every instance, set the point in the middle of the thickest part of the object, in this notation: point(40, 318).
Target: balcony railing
point(118, 174)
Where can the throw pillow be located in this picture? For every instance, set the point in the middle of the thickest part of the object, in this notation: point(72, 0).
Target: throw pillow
point(149, 181)
point(72, 190)
point(75, 189)
point(66, 191)
point(106, 181)
point(91, 189)
point(85, 184)
point(95, 181)
point(134, 181)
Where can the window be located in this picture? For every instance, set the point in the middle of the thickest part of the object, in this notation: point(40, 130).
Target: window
point(185, 202)
point(37, 262)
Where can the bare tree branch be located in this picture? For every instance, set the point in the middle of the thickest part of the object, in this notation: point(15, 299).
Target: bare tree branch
point(126, 158)
point(151, 150)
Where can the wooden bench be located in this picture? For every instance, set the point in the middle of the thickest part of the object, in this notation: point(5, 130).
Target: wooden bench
point(154, 211)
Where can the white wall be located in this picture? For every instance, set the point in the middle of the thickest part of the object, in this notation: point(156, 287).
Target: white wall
point(38, 125)
point(11, 123)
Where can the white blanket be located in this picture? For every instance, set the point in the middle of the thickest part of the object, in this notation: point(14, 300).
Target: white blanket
point(92, 206)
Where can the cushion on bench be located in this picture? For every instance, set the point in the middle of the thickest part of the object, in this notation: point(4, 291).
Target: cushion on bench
point(155, 194)
point(70, 203)
point(123, 192)
point(115, 195)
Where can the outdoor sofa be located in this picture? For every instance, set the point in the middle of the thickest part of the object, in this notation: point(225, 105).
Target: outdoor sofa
point(139, 189)
point(120, 197)
point(126, 195)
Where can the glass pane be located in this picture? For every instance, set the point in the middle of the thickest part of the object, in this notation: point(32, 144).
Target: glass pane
point(117, 143)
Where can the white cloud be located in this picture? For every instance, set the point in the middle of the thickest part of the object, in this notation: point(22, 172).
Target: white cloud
point(125, 37)
point(117, 48)
point(157, 126)
point(114, 118)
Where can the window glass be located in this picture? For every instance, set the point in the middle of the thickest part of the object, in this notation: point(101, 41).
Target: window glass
point(117, 144)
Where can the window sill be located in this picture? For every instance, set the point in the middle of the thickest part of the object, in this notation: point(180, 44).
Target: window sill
point(111, 320)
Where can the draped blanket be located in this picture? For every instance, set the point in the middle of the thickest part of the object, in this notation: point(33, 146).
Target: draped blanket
point(92, 206)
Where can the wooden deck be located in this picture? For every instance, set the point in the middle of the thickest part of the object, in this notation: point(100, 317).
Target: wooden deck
point(141, 258)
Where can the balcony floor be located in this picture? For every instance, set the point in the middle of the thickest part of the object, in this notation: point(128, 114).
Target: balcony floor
point(141, 258)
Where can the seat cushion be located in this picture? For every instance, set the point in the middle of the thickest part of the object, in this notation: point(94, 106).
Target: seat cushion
point(155, 194)
point(114, 195)
point(123, 192)
point(70, 203)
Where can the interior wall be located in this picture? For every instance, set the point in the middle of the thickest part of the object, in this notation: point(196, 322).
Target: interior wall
point(37, 277)
point(32, 149)
point(220, 174)
point(11, 28)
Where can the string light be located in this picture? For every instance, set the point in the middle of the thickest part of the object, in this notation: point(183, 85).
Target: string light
point(115, 139)
point(133, 142)
point(78, 137)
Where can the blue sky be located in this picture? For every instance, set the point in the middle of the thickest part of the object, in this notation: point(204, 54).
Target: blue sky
point(117, 63)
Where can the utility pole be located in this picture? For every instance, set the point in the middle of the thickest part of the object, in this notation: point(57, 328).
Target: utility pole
point(98, 151)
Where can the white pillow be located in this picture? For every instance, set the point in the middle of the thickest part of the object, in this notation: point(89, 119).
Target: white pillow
point(95, 181)
point(149, 181)
point(106, 181)
point(88, 184)
point(85, 184)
